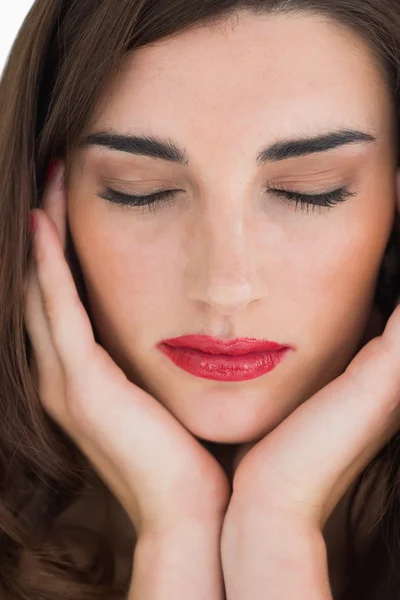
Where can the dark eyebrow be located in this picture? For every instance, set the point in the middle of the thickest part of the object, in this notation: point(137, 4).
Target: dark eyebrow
point(166, 149)
point(300, 147)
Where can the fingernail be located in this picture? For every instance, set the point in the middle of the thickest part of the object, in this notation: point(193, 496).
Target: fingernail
point(52, 169)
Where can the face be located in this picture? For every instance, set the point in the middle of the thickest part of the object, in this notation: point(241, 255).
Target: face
point(238, 249)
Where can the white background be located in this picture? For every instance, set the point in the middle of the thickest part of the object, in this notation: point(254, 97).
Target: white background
point(12, 14)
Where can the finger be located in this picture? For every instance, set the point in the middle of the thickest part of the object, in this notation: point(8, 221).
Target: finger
point(44, 358)
point(36, 324)
point(54, 202)
point(69, 325)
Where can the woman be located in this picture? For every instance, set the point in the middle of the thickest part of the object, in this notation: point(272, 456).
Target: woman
point(200, 340)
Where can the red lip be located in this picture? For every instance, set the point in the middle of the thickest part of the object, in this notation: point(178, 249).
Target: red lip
point(234, 360)
point(212, 345)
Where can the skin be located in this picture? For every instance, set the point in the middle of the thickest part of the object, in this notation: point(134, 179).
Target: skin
point(198, 257)
point(226, 258)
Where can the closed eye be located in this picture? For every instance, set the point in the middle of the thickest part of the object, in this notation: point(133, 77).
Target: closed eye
point(151, 201)
point(164, 197)
point(305, 201)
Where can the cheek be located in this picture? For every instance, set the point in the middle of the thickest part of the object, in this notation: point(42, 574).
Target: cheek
point(334, 275)
point(126, 272)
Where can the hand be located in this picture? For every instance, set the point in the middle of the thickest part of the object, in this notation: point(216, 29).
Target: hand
point(154, 466)
point(305, 465)
point(374, 329)
point(286, 486)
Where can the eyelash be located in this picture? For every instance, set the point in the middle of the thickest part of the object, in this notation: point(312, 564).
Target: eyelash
point(153, 201)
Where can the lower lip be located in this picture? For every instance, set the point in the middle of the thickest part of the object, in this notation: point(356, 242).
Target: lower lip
point(221, 367)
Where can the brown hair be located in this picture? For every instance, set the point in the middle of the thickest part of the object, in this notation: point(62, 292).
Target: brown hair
point(64, 55)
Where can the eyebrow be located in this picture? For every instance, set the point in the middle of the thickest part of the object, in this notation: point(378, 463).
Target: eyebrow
point(167, 149)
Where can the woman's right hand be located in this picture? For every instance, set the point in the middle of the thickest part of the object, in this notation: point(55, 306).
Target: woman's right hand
point(159, 472)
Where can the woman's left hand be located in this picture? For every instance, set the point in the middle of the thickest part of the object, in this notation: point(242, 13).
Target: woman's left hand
point(307, 463)
point(298, 473)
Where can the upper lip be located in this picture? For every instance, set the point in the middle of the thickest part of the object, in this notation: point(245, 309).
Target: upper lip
point(234, 347)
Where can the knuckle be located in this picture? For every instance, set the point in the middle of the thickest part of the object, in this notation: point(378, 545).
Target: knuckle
point(52, 312)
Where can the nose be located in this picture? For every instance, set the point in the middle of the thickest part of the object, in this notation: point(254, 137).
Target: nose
point(222, 264)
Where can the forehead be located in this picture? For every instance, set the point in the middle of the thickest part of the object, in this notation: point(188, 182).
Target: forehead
point(282, 73)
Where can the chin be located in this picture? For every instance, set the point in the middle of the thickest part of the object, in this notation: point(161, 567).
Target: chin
point(230, 438)
point(227, 436)
point(229, 431)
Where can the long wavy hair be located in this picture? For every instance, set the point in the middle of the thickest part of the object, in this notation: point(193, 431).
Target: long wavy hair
point(65, 54)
